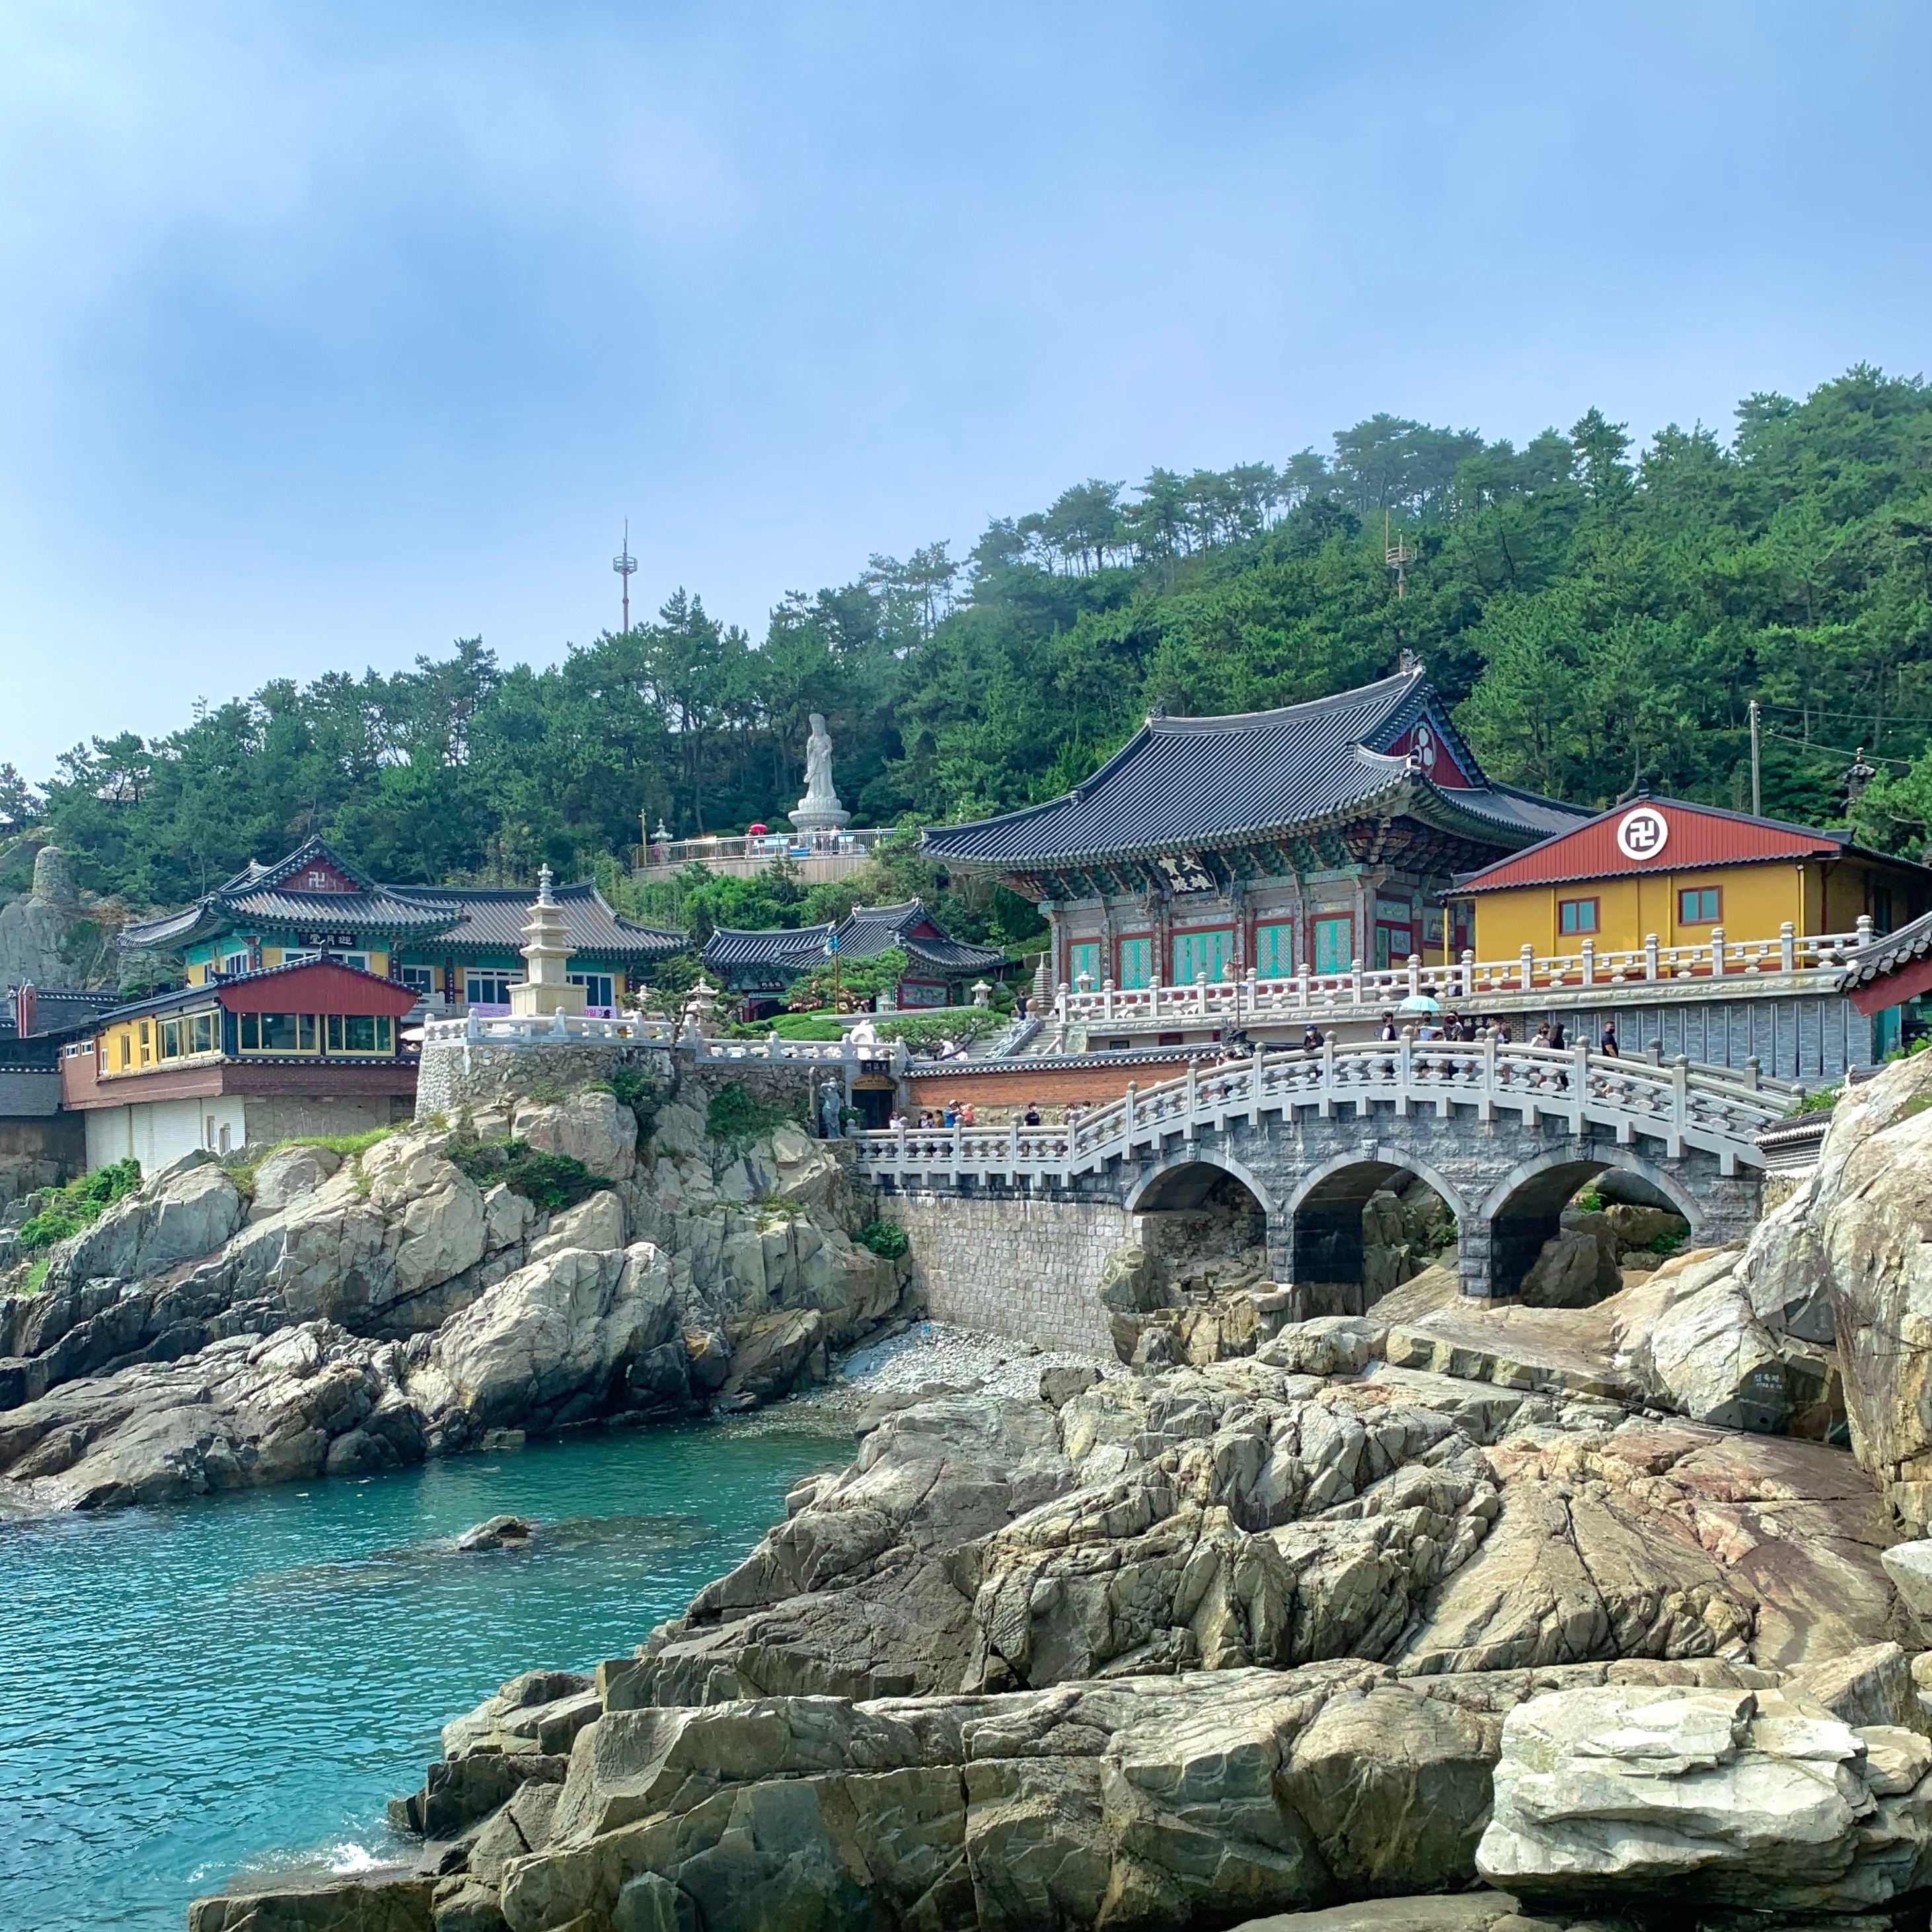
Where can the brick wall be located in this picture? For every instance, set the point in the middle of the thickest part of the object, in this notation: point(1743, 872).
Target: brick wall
point(1012, 1265)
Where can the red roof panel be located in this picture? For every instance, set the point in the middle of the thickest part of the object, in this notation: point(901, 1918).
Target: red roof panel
point(1625, 840)
point(316, 986)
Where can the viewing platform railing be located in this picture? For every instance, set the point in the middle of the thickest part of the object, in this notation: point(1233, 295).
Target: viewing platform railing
point(478, 1029)
point(1305, 994)
point(1672, 1101)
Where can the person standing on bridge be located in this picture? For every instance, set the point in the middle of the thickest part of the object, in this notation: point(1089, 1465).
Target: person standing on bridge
point(1559, 1038)
point(1608, 1044)
point(1311, 1038)
point(1388, 1028)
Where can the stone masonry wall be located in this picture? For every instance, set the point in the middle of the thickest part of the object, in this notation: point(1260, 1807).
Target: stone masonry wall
point(1012, 1264)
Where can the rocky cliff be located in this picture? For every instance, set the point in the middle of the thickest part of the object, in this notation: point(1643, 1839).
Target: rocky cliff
point(324, 1314)
point(1380, 1609)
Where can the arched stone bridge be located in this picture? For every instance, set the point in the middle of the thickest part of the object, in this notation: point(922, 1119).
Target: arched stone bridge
point(1504, 1134)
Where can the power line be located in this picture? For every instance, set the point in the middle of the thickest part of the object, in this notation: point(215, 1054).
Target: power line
point(1837, 751)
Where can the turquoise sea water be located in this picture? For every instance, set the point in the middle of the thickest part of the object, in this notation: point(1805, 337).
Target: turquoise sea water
point(243, 1680)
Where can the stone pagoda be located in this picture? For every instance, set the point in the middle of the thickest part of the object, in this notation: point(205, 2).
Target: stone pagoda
point(546, 948)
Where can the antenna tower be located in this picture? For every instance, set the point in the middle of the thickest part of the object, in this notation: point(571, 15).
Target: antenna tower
point(1398, 555)
point(624, 564)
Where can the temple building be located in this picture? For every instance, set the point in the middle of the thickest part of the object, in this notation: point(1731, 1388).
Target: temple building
point(251, 1057)
point(1663, 869)
point(759, 965)
point(454, 947)
point(1316, 835)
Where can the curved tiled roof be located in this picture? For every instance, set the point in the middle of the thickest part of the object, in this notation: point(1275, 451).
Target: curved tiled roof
point(495, 916)
point(463, 917)
point(1191, 783)
point(1909, 944)
point(801, 947)
point(863, 934)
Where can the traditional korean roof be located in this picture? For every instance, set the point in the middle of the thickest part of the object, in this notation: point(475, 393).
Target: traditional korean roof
point(264, 895)
point(316, 889)
point(1194, 784)
point(1892, 953)
point(871, 930)
point(863, 934)
point(494, 917)
point(1696, 838)
point(793, 948)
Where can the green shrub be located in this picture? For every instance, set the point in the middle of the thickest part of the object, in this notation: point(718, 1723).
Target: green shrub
point(638, 1092)
point(1590, 1201)
point(734, 1120)
point(885, 1238)
point(1666, 1244)
point(77, 1205)
point(37, 1276)
point(550, 1181)
point(943, 1023)
point(1822, 1102)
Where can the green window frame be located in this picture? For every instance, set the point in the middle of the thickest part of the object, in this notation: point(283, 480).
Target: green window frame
point(358, 1033)
point(1576, 918)
point(1208, 954)
point(1274, 949)
point(1698, 905)
point(1335, 943)
point(1084, 956)
point(1136, 964)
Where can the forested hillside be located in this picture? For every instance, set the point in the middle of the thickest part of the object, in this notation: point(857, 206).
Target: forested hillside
point(1602, 619)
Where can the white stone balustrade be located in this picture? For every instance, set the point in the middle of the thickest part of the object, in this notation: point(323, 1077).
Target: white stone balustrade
point(1672, 1102)
point(1811, 963)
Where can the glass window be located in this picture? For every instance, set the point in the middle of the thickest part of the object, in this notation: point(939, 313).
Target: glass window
point(484, 986)
point(1274, 949)
point(1136, 963)
point(171, 1039)
point(1334, 945)
point(597, 989)
point(1576, 916)
point(1084, 958)
point(419, 979)
point(126, 1053)
point(234, 962)
point(1697, 905)
point(278, 1033)
point(203, 1037)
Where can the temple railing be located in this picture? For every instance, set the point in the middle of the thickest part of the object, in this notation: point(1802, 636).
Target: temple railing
point(1304, 994)
point(1673, 1102)
point(534, 1030)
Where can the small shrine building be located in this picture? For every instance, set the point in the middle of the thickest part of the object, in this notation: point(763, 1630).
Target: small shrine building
point(758, 964)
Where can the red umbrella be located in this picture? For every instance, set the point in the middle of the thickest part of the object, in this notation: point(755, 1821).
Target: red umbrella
point(756, 830)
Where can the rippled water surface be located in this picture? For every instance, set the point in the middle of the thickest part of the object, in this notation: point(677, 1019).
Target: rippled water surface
point(243, 1680)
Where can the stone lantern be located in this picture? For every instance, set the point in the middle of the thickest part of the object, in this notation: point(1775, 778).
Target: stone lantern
point(982, 993)
point(546, 949)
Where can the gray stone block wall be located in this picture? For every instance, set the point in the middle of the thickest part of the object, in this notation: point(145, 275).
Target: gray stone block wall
point(1011, 1264)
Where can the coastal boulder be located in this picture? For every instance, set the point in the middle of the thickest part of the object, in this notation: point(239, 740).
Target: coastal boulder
point(596, 1224)
point(1744, 1798)
point(289, 1175)
point(187, 1211)
point(593, 1126)
point(549, 1344)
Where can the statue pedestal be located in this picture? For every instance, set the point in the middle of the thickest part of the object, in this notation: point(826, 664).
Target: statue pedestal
point(533, 996)
point(812, 818)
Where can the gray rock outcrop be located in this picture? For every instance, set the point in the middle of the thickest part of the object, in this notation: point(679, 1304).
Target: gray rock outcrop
point(706, 1274)
point(1753, 1798)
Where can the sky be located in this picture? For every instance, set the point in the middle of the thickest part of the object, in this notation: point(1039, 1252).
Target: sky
point(330, 334)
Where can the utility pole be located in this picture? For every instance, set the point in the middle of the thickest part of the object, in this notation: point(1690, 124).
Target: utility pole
point(624, 563)
point(1757, 792)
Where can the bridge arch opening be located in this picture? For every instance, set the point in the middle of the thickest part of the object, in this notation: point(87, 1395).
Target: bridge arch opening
point(1552, 1243)
point(1364, 1225)
point(1204, 1227)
